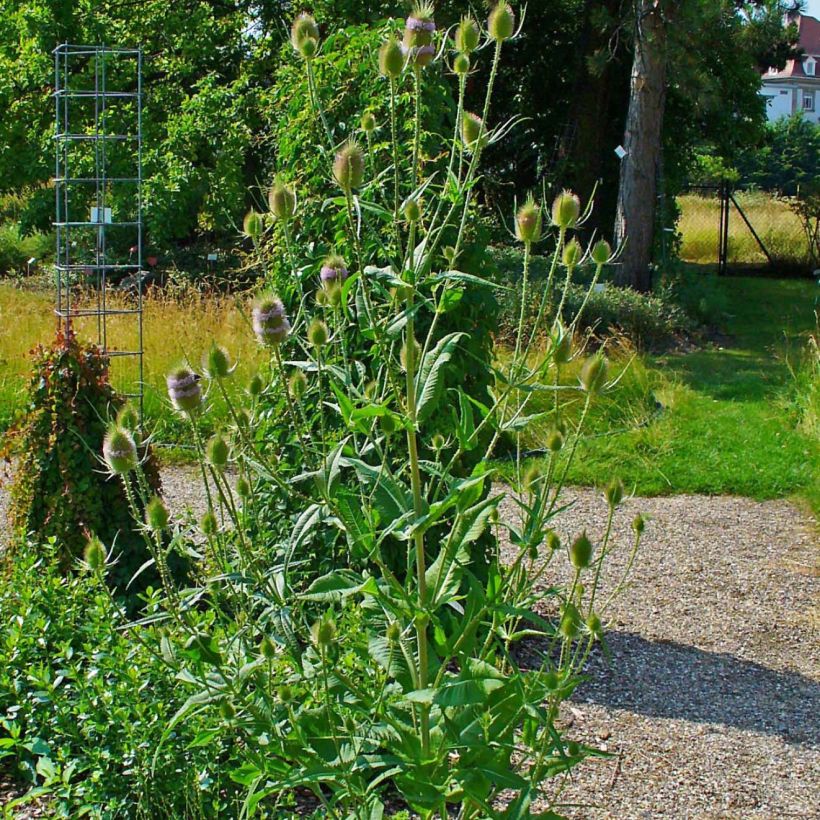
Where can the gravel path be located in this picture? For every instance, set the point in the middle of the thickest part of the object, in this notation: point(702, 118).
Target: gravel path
point(710, 701)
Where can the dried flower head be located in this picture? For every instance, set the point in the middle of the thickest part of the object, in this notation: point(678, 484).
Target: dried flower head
point(184, 389)
point(282, 201)
point(501, 23)
point(304, 35)
point(270, 324)
point(120, 451)
point(253, 226)
point(566, 210)
point(348, 166)
point(467, 36)
point(528, 221)
point(391, 59)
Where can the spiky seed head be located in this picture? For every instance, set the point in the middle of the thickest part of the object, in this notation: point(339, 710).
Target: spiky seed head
point(388, 424)
point(270, 323)
point(555, 441)
point(286, 693)
point(594, 373)
point(412, 210)
point(419, 30)
point(282, 201)
point(614, 492)
point(253, 225)
point(255, 385)
point(580, 551)
point(243, 487)
point(461, 65)
point(184, 389)
point(528, 222)
point(473, 132)
point(573, 749)
point(217, 452)
point(298, 384)
point(334, 270)
point(601, 252)
point(94, 554)
point(128, 417)
point(393, 632)
point(467, 36)
point(573, 254)
point(323, 632)
point(569, 621)
point(561, 345)
point(318, 333)
point(304, 28)
point(368, 123)
point(120, 451)
point(217, 362)
point(227, 710)
point(267, 648)
point(208, 524)
point(501, 23)
point(639, 524)
point(530, 478)
point(594, 625)
point(566, 210)
point(438, 442)
point(553, 541)
point(348, 166)
point(391, 59)
point(156, 515)
point(309, 47)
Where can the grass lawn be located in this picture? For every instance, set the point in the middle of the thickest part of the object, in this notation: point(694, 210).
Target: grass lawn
point(727, 423)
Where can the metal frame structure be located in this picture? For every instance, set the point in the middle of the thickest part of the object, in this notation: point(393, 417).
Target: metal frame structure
point(89, 81)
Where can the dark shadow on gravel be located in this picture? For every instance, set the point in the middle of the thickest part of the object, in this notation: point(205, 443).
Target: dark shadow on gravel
point(671, 680)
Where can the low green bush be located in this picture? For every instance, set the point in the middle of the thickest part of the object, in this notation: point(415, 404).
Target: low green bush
point(16, 249)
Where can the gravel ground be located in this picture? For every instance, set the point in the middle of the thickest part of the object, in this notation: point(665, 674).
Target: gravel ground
point(710, 700)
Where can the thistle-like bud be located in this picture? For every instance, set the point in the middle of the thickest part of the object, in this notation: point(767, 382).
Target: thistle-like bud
point(270, 324)
point(391, 59)
point(368, 123)
point(419, 29)
point(594, 373)
point(348, 166)
point(267, 648)
point(553, 541)
point(388, 424)
point(501, 23)
point(461, 65)
point(467, 36)
point(120, 451)
point(580, 551)
point(216, 363)
point(438, 442)
point(531, 478)
point(614, 492)
point(639, 524)
point(156, 515)
point(304, 31)
point(601, 252)
point(555, 441)
point(566, 210)
point(217, 452)
point(94, 554)
point(528, 222)
point(570, 619)
point(286, 693)
point(594, 625)
point(208, 524)
point(473, 132)
point(393, 632)
point(184, 390)
point(282, 201)
point(243, 487)
point(252, 225)
point(297, 384)
point(573, 254)
point(323, 632)
point(317, 333)
point(412, 210)
point(128, 418)
point(255, 385)
point(334, 270)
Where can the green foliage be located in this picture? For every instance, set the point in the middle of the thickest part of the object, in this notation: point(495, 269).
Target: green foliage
point(16, 250)
point(60, 488)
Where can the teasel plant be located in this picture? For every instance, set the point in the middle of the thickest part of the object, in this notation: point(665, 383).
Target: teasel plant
point(362, 640)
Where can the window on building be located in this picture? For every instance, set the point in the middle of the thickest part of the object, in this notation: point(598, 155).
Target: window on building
point(810, 66)
point(808, 102)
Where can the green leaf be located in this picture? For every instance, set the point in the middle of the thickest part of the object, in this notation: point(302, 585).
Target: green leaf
point(334, 586)
point(429, 375)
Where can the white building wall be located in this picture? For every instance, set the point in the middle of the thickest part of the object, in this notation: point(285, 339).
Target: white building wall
point(779, 101)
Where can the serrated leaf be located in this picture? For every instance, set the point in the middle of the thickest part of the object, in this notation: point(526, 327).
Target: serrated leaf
point(429, 375)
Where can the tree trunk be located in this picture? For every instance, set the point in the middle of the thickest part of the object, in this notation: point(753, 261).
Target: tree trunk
point(637, 194)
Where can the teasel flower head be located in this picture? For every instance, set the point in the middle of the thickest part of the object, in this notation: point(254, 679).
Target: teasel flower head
point(120, 451)
point(243, 487)
point(270, 324)
point(419, 30)
point(461, 65)
point(255, 385)
point(184, 389)
point(253, 225)
point(298, 384)
point(573, 254)
point(334, 270)
point(528, 221)
point(348, 166)
point(594, 373)
point(501, 23)
point(391, 59)
point(601, 253)
point(553, 541)
point(473, 131)
point(157, 516)
point(566, 210)
point(217, 362)
point(580, 551)
point(304, 35)
point(208, 524)
point(217, 452)
point(282, 201)
point(368, 123)
point(555, 441)
point(94, 554)
point(128, 418)
point(614, 492)
point(467, 36)
point(318, 333)
point(323, 632)
point(412, 210)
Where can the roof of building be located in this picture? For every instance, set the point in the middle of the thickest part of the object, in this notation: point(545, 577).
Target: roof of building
point(809, 41)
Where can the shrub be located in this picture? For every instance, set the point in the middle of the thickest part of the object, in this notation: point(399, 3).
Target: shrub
point(361, 642)
point(59, 487)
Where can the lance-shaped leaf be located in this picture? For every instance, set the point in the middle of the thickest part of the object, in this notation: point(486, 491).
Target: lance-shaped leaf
point(429, 376)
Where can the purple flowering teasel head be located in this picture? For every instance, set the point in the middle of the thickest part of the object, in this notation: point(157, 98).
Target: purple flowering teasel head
point(184, 389)
point(270, 323)
point(120, 451)
point(419, 30)
point(334, 270)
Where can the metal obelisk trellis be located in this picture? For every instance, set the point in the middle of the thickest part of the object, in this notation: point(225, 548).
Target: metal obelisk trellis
point(98, 185)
